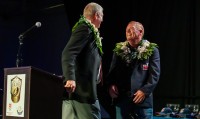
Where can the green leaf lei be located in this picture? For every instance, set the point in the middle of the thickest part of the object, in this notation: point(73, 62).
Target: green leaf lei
point(142, 52)
point(94, 30)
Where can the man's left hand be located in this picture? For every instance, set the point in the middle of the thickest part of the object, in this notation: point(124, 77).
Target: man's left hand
point(139, 97)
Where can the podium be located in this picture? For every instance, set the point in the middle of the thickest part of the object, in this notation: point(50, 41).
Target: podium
point(31, 93)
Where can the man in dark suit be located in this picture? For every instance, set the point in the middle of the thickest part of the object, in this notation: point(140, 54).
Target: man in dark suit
point(81, 64)
point(133, 75)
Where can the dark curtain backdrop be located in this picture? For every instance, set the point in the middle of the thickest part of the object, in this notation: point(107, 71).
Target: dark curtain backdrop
point(174, 25)
point(42, 46)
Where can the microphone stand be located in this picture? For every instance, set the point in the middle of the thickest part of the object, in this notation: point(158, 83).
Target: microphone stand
point(19, 54)
point(19, 59)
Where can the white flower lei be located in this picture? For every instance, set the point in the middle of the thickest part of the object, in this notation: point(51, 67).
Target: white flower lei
point(142, 52)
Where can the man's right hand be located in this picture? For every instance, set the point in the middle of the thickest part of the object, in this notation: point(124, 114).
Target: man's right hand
point(113, 91)
point(70, 86)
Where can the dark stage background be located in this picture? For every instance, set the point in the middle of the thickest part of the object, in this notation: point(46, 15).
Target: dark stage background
point(174, 25)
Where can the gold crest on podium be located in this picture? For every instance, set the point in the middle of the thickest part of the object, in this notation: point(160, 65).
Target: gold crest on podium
point(16, 83)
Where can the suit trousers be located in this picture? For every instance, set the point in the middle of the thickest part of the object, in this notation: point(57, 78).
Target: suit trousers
point(72, 109)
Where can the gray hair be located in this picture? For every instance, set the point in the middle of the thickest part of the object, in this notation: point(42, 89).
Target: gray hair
point(91, 8)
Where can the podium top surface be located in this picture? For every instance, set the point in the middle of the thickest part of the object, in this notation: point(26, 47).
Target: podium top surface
point(32, 68)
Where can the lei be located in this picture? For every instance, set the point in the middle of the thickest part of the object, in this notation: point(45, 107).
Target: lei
point(142, 52)
point(94, 30)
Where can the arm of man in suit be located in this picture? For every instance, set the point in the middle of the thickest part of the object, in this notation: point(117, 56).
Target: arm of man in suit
point(153, 78)
point(111, 78)
point(78, 40)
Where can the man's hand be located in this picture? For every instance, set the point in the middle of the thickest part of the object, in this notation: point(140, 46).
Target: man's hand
point(113, 91)
point(70, 86)
point(139, 97)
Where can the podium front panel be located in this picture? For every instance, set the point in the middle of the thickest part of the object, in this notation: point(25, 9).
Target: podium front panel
point(31, 93)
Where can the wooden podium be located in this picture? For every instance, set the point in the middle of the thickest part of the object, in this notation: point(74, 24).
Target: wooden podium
point(31, 93)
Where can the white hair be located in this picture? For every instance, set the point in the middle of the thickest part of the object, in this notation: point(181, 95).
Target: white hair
point(91, 8)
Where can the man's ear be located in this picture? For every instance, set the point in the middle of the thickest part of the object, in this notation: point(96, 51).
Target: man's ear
point(96, 15)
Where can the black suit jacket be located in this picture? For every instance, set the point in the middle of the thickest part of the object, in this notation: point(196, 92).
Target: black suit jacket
point(80, 62)
point(140, 75)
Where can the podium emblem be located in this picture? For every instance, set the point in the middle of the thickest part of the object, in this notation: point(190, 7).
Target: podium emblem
point(15, 91)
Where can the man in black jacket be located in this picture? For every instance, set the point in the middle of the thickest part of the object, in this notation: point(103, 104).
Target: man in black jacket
point(81, 64)
point(133, 75)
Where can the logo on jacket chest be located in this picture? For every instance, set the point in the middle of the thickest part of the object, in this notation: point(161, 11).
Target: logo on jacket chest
point(145, 66)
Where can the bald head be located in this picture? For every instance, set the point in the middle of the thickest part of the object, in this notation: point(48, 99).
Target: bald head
point(134, 33)
point(137, 26)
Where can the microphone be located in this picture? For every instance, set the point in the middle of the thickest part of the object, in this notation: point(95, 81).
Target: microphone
point(36, 25)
